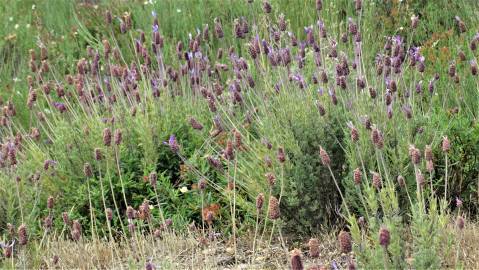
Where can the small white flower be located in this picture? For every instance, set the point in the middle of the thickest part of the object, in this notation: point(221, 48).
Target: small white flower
point(178, 10)
point(16, 26)
point(16, 79)
point(10, 18)
point(27, 26)
point(33, 7)
point(183, 189)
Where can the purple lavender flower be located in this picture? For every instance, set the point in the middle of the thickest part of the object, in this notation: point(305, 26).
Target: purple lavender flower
point(173, 144)
point(60, 106)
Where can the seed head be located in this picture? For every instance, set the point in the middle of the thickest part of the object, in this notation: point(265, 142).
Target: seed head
point(150, 266)
point(414, 21)
point(229, 151)
point(460, 223)
point(281, 23)
point(215, 163)
point(281, 156)
point(415, 155)
point(153, 177)
point(195, 124)
point(130, 213)
point(218, 29)
point(109, 214)
point(238, 29)
point(107, 137)
point(209, 217)
point(296, 262)
point(352, 27)
point(238, 138)
point(319, 5)
point(377, 181)
point(446, 145)
point(66, 218)
point(401, 181)
point(377, 138)
point(429, 166)
point(274, 212)
point(358, 4)
point(144, 211)
point(50, 202)
point(267, 7)
point(324, 157)
point(108, 17)
point(10, 230)
point(43, 53)
point(118, 137)
point(259, 201)
point(361, 222)
point(458, 202)
point(22, 235)
point(48, 222)
point(202, 184)
point(420, 178)
point(460, 25)
point(98, 154)
point(87, 170)
point(345, 243)
point(354, 134)
point(474, 68)
point(76, 226)
point(384, 237)
point(357, 176)
point(313, 247)
point(271, 179)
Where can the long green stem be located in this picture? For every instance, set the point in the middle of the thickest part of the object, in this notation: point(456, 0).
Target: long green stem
point(445, 178)
point(339, 190)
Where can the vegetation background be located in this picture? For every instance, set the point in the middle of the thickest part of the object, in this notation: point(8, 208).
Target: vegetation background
point(311, 203)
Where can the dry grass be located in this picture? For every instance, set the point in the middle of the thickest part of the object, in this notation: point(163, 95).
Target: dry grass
point(174, 252)
point(191, 251)
point(467, 246)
